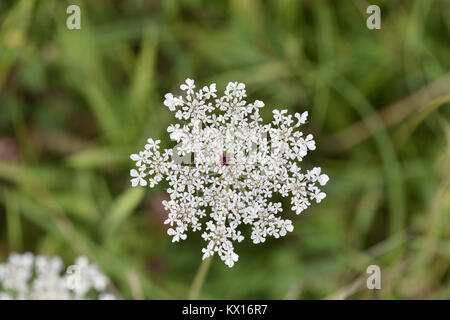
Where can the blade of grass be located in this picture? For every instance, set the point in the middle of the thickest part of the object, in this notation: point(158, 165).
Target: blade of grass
point(143, 80)
point(395, 189)
point(13, 222)
point(121, 208)
point(408, 127)
point(390, 115)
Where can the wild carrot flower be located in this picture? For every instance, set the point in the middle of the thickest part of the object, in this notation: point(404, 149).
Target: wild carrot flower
point(25, 276)
point(226, 167)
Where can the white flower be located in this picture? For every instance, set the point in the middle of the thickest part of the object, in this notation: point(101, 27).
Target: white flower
point(258, 236)
point(138, 178)
point(323, 179)
point(318, 195)
point(29, 277)
point(230, 258)
point(309, 142)
point(177, 233)
point(15, 275)
point(301, 117)
point(258, 104)
point(208, 251)
point(227, 166)
point(152, 144)
point(235, 89)
point(209, 92)
point(170, 101)
point(286, 226)
point(189, 86)
point(139, 158)
point(89, 277)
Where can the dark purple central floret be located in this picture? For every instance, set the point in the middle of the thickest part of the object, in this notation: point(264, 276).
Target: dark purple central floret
point(225, 160)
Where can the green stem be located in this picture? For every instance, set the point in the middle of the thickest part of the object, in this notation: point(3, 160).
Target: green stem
point(199, 278)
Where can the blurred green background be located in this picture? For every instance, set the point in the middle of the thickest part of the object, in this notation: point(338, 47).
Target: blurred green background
point(75, 104)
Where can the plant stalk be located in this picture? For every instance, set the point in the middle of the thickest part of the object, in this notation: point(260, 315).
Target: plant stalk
point(199, 278)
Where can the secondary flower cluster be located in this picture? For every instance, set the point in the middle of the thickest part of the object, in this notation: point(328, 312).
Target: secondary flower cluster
point(29, 277)
point(226, 167)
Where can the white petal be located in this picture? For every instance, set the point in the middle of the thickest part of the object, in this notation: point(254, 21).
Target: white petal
point(134, 173)
point(323, 179)
point(134, 182)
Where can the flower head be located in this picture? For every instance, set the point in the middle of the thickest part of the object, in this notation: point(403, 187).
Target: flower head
point(226, 167)
point(25, 276)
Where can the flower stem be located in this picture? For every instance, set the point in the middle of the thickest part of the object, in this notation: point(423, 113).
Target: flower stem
point(199, 278)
